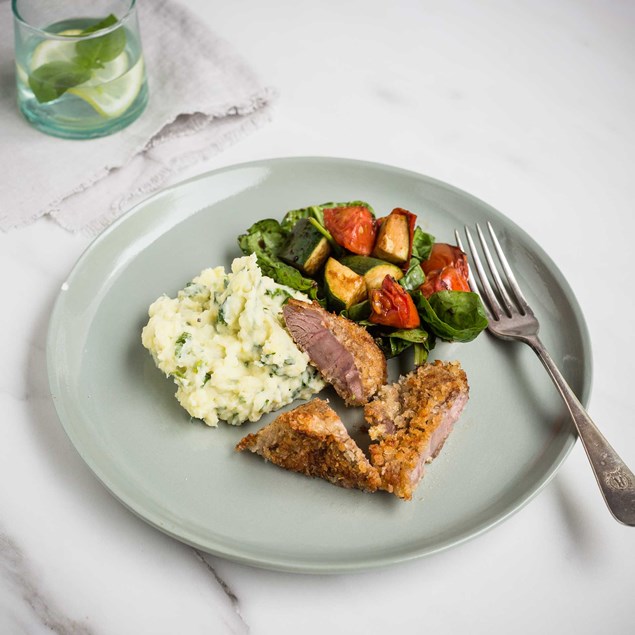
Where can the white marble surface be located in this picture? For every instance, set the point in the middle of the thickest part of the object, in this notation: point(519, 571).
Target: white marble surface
point(528, 105)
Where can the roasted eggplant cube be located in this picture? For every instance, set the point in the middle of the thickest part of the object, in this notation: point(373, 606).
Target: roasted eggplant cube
point(306, 248)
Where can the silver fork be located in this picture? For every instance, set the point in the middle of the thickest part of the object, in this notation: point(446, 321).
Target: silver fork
point(511, 318)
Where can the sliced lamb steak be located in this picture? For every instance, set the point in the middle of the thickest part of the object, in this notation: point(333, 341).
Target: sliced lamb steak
point(312, 440)
point(411, 419)
point(344, 352)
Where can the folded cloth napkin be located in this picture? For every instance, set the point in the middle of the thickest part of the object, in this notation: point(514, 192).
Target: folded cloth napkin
point(203, 97)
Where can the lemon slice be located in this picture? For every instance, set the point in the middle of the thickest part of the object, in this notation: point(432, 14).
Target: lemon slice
point(112, 98)
point(111, 90)
point(54, 50)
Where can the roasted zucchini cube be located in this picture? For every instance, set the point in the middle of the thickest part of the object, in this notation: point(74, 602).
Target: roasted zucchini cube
point(306, 248)
point(373, 270)
point(393, 239)
point(343, 287)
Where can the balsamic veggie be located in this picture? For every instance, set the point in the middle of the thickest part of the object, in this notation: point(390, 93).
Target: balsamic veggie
point(374, 270)
point(393, 239)
point(399, 293)
point(342, 286)
point(306, 248)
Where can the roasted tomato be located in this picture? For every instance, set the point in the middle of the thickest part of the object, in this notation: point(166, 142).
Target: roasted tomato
point(448, 279)
point(351, 227)
point(391, 305)
point(444, 255)
point(445, 269)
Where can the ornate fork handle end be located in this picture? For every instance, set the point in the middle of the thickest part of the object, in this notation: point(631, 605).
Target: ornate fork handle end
point(615, 479)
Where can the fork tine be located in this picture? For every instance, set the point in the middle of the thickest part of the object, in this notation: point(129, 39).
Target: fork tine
point(488, 292)
point(520, 298)
point(507, 302)
point(470, 273)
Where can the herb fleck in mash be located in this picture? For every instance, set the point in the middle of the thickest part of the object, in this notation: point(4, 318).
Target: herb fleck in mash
point(222, 341)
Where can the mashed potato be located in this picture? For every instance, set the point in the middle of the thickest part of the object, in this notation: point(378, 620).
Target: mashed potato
point(223, 342)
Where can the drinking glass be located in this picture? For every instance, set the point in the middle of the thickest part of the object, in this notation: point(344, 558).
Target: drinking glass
point(79, 66)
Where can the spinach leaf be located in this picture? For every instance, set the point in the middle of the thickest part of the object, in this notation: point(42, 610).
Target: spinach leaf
point(317, 212)
point(421, 244)
point(357, 312)
point(393, 343)
point(452, 315)
point(265, 238)
point(421, 354)
point(292, 217)
point(418, 335)
point(52, 80)
point(391, 347)
point(414, 277)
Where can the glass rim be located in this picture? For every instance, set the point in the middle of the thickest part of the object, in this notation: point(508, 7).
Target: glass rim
point(56, 36)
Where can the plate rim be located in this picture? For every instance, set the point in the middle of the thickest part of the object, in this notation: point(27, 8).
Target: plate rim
point(296, 565)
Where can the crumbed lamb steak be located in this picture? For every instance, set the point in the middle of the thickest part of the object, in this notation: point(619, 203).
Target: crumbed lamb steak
point(410, 421)
point(344, 353)
point(313, 441)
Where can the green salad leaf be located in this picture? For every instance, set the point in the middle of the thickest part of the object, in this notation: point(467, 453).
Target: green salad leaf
point(452, 315)
point(414, 277)
point(317, 212)
point(292, 217)
point(421, 244)
point(358, 312)
point(265, 239)
point(393, 343)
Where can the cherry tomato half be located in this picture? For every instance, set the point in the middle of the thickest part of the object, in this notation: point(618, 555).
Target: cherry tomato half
point(445, 269)
point(351, 227)
point(443, 255)
point(448, 279)
point(391, 305)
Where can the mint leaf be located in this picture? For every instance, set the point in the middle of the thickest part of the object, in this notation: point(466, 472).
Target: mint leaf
point(94, 53)
point(50, 81)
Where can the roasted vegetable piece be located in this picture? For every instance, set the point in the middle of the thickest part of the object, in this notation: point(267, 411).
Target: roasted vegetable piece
point(306, 248)
point(443, 255)
point(394, 237)
point(391, 305)
point(448, 279)
point(373, 269)
point(343, 287)
point(445, 269)
point(351, 227)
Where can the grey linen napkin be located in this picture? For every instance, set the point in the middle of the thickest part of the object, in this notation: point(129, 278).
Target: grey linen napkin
point(203, 97)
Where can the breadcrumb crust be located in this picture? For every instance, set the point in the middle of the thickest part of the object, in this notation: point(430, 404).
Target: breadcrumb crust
point(312, 440)
point(410, 421)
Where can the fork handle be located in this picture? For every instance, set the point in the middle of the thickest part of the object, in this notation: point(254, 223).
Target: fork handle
point(616, 481)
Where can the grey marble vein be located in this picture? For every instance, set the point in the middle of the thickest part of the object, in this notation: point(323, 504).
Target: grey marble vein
point(232, 597)
point(18, 577)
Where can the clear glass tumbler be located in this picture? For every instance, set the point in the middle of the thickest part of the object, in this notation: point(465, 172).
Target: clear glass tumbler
point(79, 66)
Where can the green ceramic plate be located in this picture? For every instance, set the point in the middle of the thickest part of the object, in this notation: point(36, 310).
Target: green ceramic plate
point(186, 479)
